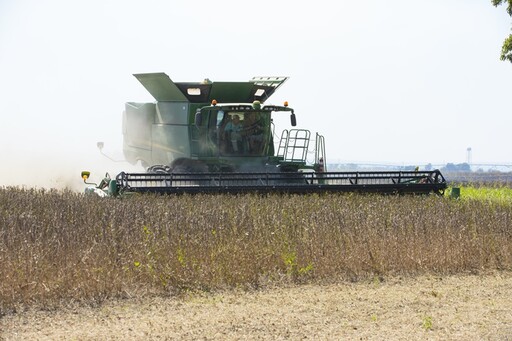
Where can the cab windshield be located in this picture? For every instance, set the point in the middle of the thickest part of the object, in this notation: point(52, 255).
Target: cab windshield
point(240, 133)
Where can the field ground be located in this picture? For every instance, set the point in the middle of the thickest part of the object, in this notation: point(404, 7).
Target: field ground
point(469, 307)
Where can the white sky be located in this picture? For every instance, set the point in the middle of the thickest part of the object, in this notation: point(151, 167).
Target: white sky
point(397, 81)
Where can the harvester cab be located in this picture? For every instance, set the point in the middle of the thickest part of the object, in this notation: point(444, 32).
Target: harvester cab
point(231, 137)
point(202, 137)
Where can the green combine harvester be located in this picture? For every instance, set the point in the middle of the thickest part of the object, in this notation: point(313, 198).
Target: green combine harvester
point(219, 137)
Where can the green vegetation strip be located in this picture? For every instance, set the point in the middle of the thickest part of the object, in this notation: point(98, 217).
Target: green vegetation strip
point(62, 246)
point(496, 194)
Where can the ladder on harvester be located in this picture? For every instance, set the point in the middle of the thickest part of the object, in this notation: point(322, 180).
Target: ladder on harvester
point(293, 146)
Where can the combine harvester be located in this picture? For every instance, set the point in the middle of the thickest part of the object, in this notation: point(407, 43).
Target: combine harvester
point(219, 137)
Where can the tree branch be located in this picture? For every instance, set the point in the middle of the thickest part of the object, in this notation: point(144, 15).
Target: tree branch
point(506, 49)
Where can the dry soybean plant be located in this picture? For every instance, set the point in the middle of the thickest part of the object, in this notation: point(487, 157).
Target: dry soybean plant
point(58, 246)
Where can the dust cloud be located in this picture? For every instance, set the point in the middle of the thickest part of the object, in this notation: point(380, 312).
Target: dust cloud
point(60, 169)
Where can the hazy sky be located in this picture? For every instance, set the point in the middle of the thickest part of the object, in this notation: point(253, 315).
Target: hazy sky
point(384, 81)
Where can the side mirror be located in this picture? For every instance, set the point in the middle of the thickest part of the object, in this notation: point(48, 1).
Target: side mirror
point(293, 119)
point(198, 118)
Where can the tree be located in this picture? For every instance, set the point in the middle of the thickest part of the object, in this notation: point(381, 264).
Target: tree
point(506, 50)
point(460, 167)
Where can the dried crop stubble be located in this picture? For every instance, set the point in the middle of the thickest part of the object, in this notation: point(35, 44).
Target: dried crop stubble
point(62, 246)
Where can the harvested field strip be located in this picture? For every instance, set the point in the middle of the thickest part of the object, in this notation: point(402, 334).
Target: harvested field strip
point(461, 307)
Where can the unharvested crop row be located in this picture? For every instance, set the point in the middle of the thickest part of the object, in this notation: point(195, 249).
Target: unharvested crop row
point(59, 246)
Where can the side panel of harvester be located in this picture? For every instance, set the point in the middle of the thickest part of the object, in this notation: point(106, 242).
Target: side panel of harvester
point(137, 121)
point(156, 133)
